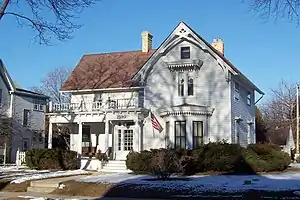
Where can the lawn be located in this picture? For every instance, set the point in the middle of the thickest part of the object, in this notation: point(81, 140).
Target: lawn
point(225, 186)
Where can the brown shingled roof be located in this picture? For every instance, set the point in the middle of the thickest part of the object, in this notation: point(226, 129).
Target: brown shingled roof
point(108, 70)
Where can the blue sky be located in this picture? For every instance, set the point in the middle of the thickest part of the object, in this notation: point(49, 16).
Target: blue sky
point(264, 52)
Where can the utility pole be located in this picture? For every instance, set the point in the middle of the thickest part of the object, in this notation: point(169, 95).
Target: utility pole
point(297, 128)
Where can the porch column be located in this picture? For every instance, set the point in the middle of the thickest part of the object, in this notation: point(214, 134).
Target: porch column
point(50, 136)
point(137, 136)
point(106, 134)
point(79, 148)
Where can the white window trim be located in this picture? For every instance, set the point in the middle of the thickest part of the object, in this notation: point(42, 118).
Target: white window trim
point(39, 104)
point(181, 48)
point(249, 99)
point(237, 91)
point(186, 75)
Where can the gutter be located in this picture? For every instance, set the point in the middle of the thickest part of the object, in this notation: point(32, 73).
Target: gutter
point(104, 89)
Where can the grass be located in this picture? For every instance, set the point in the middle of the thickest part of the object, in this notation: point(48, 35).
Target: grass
point(73, 188)
point(6, 186)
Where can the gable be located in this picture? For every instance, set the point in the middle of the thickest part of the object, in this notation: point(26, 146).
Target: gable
point(183, 33)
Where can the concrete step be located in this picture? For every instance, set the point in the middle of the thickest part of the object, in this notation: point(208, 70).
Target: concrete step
point(115, 167)
point(116, 170)
point(116, 164)
point(40, 189)
point(117, 161)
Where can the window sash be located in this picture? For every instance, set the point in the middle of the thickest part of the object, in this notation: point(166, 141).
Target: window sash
point(185, 52)
point(180, 134)
point(197, 133)
point(190, 86)
point(26, 117)
point(249, 98)
point(167, 135)
point(237, 91)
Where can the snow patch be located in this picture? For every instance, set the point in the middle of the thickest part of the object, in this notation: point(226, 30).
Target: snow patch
point(28, 177)
point(196, 184)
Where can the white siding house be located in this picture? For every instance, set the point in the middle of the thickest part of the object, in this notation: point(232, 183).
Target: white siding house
point(186, 87)
point(25, 111)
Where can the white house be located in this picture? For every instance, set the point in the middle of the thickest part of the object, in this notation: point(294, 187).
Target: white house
point(22, 114)
point(193, 93)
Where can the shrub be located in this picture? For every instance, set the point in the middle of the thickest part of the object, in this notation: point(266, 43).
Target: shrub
point(188, 165)
point(220, 157)
point(56, 159)
point(139, 162)
point(266, 157)
point(69, 159)
point(164, 163)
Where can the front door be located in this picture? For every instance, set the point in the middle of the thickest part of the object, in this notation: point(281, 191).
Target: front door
point(123, 142)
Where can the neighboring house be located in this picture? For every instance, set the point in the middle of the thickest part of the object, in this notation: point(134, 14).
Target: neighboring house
point(25, 113)
point(183, 94)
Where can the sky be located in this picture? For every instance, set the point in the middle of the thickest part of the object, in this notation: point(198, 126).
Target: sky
point(266, 52)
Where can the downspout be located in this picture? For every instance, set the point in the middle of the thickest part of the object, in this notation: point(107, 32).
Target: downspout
point(11, 105)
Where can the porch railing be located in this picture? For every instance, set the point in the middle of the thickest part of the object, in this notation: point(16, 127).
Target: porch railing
point(94, 106)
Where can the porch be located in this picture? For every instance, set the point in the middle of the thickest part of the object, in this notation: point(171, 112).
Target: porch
point(114, 133)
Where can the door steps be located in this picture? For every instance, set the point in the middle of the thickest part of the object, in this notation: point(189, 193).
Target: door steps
point(116, 166)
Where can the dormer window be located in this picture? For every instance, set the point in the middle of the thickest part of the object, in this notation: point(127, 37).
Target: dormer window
point(185, 53)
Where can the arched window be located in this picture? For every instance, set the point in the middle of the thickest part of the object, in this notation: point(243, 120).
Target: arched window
point(190, 86)
point(181, 87)
point(180, 84)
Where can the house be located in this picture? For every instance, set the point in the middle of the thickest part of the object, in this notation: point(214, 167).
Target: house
point(182, 94)
point(22, 117)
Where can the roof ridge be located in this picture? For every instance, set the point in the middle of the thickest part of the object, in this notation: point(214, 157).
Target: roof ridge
point(115, 52)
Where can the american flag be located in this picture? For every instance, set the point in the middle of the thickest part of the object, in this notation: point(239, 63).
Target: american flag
point(155, 123)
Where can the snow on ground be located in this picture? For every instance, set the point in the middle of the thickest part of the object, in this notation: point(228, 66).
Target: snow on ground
point(225, 183)
point(36, 176)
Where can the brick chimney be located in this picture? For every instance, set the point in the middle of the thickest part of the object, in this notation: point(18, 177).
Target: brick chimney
point(218, 44)
point(146, 41)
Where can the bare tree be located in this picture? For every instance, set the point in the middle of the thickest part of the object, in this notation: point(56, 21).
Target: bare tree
point(279, 112)
point(280, 108)
point(52, 84)
point(277, 8)
point(47, 18)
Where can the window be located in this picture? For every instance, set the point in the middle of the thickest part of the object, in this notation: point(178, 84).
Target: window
point(185, 53)
point(86, 136)
point(190, 86)
point(167, 136)
point(26, 117)
point(41, 138)
point(197, 133)
point(180, 134)
point(181, 84)
point(25, 144)
point(249, 98)
point(38, 105)
point(237, 91)
point(35, 104)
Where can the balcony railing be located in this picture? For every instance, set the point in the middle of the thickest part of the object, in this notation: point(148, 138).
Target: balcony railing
point(94, 106)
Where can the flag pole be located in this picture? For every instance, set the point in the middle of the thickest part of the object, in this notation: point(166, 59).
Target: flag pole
point(297, 128)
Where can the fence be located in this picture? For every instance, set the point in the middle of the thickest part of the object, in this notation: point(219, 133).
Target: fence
point(20, 158)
